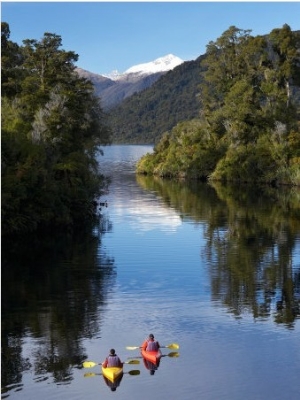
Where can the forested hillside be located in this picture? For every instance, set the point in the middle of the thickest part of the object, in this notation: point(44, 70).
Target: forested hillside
point(143, 117)
point(248, 127)
point(51, 128)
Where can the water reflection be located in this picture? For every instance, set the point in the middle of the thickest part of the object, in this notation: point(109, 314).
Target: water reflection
point(151, 367)
point(252, 243)
point(51, 297)
point(148, 215)
point(59, 293)
point(113, 385)
point(140, 209)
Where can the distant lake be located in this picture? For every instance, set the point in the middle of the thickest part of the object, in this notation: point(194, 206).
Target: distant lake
point(215, 269)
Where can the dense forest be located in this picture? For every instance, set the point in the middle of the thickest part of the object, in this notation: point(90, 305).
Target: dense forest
point(143, 117)
point(52, 130)
point(248, 127)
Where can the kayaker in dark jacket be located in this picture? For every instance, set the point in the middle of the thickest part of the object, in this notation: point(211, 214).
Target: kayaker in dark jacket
point(150, 344)
point(112, 360)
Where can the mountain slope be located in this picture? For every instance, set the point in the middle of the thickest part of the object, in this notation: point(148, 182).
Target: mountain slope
point(114, 94)
point(143, 117)
point(115, 87)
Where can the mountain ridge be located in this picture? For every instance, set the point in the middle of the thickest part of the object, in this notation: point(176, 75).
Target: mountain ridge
point(161, 64)
point(113, 88)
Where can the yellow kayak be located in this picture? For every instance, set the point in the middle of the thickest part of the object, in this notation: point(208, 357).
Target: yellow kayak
point(112, 373)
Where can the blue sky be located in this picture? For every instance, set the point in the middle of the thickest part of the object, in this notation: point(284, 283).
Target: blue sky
point(117, 35)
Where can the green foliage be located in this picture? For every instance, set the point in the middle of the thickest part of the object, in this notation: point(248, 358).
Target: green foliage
point(143, 117)
point(246, 164)
point(188, 150)
point(11, 60)
point(248, 130)
point(52, 127)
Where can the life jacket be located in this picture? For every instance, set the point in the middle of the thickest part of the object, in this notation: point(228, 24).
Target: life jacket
point(152, 345)
point(113, 361)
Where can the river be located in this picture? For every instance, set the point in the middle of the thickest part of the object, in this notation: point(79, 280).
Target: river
point(213, 269)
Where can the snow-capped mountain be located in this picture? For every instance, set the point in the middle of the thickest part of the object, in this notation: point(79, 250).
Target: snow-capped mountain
point(115, 87)
point(161, 64)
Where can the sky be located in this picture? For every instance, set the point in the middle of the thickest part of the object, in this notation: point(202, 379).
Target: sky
point(113, 35)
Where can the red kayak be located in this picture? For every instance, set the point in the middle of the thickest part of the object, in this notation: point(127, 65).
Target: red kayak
point(152, 356)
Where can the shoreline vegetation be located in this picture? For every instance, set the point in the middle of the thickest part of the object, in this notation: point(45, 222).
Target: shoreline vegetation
point(52, 129)
point(248, 128)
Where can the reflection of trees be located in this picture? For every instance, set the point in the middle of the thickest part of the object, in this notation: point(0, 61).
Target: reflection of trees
point(251, 238)
point(253, 268)
point(182, 196)
point(52, 291)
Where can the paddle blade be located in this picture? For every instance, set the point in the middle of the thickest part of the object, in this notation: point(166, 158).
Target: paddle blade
point(89, 374)
point(132, 362)
point(134, 372)
point(173, 354)
point(132, 347)
point(89, 364)
point(172, 346)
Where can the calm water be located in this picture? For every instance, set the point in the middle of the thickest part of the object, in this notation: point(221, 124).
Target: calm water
point(214, 269)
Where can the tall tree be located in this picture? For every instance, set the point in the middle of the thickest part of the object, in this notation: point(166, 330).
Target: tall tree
point(230, 94)
point(283, 73)
point(51, 132)
point(11, 60)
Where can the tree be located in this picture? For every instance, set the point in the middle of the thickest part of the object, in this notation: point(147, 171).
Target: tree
point(282, 75)
point(51, 132)
point(11, 59)
point(230, 91)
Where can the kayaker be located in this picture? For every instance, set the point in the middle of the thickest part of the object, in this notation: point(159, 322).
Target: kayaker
point(150, 344)
point(112, 360)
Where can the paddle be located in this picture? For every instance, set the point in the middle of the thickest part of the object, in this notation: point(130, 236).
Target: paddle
point(169, 346)
point(132, 372)
point(91, 364)
point(173, 354)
